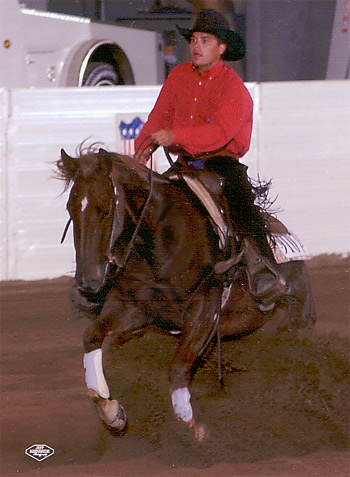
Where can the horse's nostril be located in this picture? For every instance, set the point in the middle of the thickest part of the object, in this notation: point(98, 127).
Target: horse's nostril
point(81, 302)
point(90, 286)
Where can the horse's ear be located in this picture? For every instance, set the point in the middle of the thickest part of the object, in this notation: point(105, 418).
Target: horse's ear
point(105, 160)
point(69, 164)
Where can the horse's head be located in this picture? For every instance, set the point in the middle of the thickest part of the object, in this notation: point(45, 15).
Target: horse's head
point(91, 206)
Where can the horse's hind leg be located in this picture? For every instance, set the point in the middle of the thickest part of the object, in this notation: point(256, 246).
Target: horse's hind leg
point(110, 411)
point(300, 303)
point(199, 328)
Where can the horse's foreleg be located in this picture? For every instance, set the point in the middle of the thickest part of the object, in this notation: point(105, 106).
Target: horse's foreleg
point(93, 340)
point(94, 375)
point(198, 331)
point(110, 411)
point(181, 400)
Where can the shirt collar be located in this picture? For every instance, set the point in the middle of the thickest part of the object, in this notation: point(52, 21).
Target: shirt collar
point(212, 72)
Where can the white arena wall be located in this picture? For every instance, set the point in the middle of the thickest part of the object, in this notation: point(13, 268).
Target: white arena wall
point(301, 140)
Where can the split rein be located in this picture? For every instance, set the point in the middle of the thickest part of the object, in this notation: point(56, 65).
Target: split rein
point(111, 258)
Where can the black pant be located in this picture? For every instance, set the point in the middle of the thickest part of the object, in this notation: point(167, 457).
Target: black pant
point(239, 191)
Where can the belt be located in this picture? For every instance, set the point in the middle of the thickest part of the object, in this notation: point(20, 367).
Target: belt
point(207, 155)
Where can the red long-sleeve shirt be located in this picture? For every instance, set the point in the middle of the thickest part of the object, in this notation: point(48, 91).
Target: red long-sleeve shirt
point(206, 112)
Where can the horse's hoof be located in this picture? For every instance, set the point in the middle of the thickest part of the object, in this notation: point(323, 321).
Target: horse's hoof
point(199, 430)
point(119, 417)
point(110, 411)
point(113, 414)
point(200, 433)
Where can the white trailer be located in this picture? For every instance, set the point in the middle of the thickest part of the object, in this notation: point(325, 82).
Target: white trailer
point(42, 49)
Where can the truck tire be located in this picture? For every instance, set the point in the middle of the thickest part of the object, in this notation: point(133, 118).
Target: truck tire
point(100, 74)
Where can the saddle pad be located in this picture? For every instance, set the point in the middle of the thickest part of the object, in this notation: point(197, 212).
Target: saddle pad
point(287, 247)
point(204, 196)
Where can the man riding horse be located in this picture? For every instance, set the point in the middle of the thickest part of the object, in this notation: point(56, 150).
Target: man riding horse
point(204, 114)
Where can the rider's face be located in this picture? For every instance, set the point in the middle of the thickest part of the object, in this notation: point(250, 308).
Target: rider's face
point(205, 50)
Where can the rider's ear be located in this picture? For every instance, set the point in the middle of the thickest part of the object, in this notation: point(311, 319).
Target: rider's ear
point(222, 48)
point(69, 163)
point(105, 160)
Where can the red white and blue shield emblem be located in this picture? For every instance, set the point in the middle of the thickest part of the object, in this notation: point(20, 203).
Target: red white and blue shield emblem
point(129, 133)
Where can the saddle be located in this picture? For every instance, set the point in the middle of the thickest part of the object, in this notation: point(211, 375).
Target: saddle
point(208, 187)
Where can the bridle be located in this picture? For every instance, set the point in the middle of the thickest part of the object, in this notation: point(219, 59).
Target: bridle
point(112, 259)
point(116, 226)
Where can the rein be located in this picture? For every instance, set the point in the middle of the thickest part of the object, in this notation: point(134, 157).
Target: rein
point(168, 156)
point(111, 257)
point(66, 230)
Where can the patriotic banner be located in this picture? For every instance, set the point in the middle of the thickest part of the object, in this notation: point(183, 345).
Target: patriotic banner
point(128, 127)
point(128, 134)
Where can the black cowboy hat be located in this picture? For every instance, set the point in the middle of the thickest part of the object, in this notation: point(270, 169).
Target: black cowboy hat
point(210, 21)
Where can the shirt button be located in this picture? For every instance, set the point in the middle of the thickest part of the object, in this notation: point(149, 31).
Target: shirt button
point(195, 99)
point(191, 116)
point(200, 83)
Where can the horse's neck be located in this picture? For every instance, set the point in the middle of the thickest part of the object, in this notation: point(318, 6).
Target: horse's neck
point(128, 163)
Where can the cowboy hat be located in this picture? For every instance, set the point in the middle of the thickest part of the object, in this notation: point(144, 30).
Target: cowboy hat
point(210, 21)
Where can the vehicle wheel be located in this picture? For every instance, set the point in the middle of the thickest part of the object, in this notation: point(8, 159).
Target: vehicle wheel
point(100, 74)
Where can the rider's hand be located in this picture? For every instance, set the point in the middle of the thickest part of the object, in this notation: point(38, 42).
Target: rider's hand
point(163, 137)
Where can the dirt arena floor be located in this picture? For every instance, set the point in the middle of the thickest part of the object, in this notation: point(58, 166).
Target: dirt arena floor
point(284, 410)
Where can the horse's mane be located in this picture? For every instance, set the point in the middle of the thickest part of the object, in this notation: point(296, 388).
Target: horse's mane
point(134, 168)
point(89, 154)
point(131, 163)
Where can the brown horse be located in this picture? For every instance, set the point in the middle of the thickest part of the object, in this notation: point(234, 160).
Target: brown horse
point(145, 256)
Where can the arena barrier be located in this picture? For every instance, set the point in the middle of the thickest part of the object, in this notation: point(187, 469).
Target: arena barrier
point(301, 141)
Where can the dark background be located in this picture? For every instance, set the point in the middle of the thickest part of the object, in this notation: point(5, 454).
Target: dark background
point(286, 39)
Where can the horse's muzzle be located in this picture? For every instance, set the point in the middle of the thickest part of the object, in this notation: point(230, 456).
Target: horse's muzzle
point(91, 284)
point(82, 302)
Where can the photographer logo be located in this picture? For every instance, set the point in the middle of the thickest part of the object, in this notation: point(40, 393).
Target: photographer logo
point(39, 452)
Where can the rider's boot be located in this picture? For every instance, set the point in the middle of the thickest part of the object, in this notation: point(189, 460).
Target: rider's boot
point(266, 283)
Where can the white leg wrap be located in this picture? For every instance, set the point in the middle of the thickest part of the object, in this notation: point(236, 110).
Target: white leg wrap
point(94, 376)
point(181, 404)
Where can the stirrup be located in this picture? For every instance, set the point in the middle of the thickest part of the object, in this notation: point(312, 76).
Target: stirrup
point(225, 265)
point(257, 264)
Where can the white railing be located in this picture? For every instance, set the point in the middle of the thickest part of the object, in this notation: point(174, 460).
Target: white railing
point(301, 140)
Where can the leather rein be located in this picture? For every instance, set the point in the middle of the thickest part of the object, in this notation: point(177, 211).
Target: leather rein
point(112, 259)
